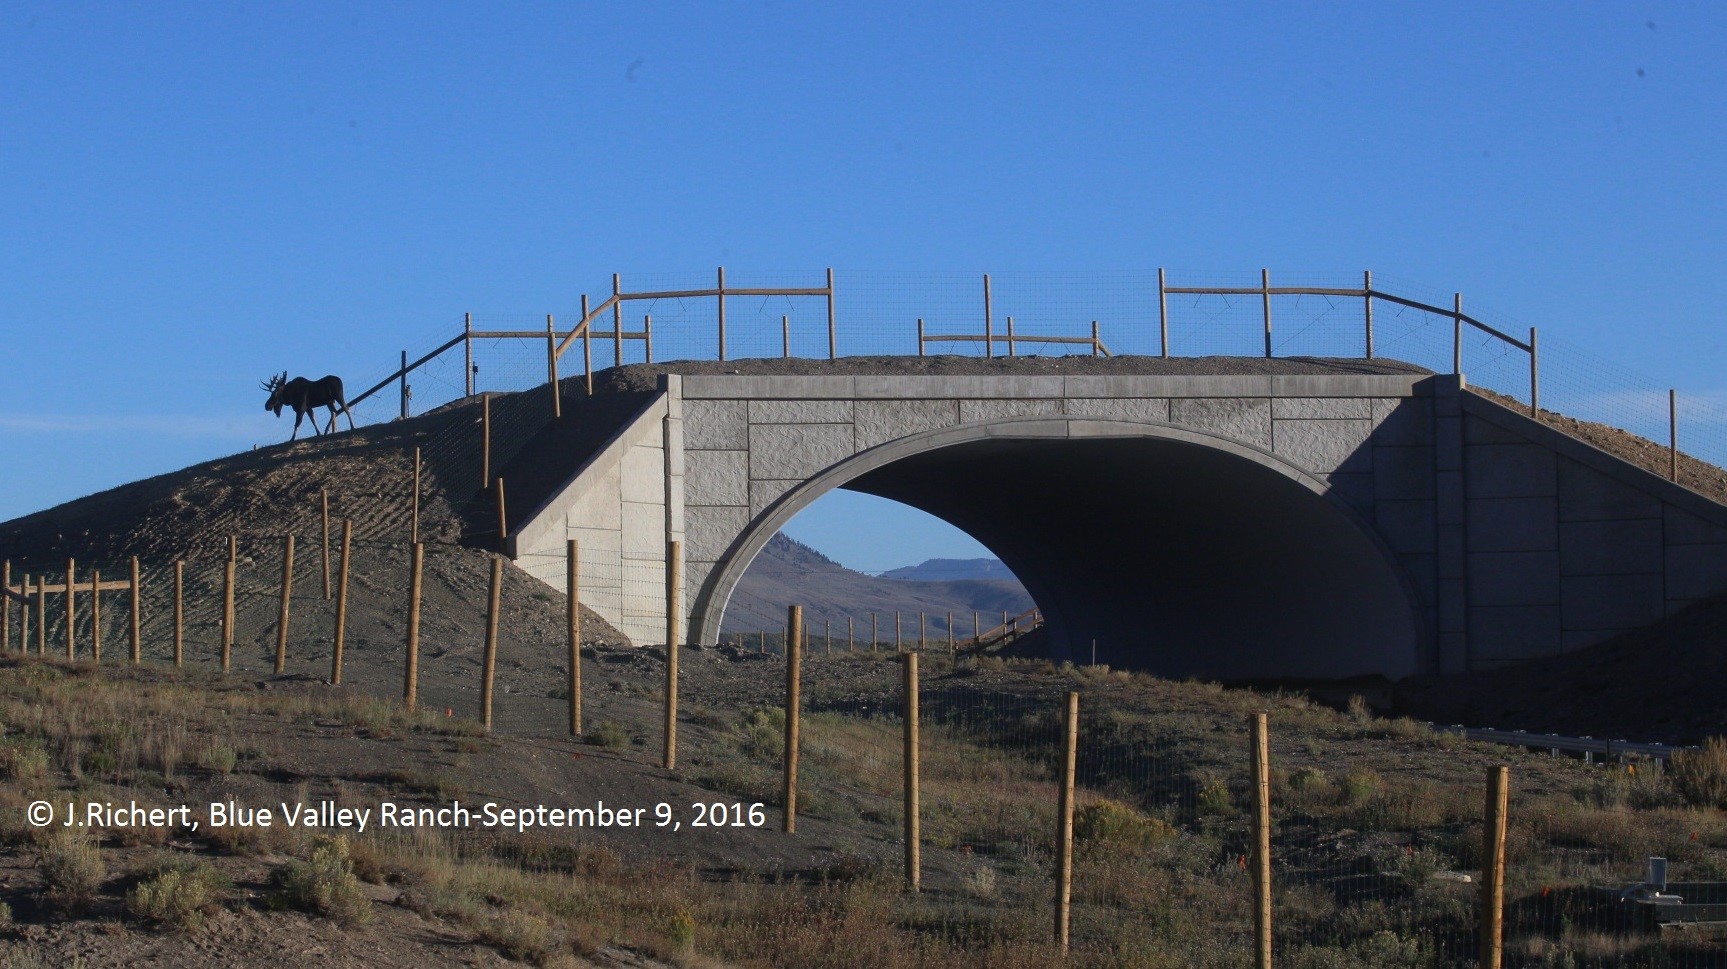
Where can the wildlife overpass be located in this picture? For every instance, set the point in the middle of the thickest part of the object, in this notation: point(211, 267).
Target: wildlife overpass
point(1221, 525)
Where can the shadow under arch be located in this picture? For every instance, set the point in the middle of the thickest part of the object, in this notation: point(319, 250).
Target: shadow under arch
point(1176, 551)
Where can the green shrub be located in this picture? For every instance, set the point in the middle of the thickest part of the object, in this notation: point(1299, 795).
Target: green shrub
point(1700, 776)
point(764, 731)
point(179, 895)
point(221, 758)
point(1363, 785)
point(323, 884)
point(71, 869)
point(1115, 825)
point(607, 734)
point(24, 759)
point(1213, 798)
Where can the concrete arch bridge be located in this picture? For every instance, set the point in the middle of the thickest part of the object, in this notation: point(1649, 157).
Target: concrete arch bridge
point(1224, 525)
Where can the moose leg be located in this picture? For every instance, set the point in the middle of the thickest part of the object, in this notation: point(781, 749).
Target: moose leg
point(299, 415)
point(345, 410)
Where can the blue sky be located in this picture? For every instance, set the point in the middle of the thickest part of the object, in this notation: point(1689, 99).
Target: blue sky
point(201, 194)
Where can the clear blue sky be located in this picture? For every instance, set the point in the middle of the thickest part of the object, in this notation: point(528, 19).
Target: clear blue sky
point(200, 194)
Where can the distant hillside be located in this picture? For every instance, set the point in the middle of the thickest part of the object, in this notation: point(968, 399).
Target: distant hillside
point(788, 572)
point(936, 570)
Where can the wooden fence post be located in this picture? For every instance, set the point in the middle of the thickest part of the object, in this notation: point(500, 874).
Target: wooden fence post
point(341, 604)
point(71, 596)
point(552, 367)
point(674, 599)
point(617, 320)
point(1493, 868)
point(1261, 765)
point(874, 635)
point(1265, 288)
point(6, 607)
point(413, 514)
point(287, 600)
point(988, 320)
point(1367, 308)
point(572, 591)
point(137, 631)
point(1673, 435)
point(1534, 374)
point(324, 504)
point(41, 616)
point(833, 335)
point(179, 613)
point(896, 632)
point(24, 610)
point(922, 631)
point(485, 440)
point(228, 613)
point(411, 675)
point(851, 637)
point(1064, 832)
point(913, 863)
point(722, 295)
point(95, 615)
point(1162, 314)
point(467, 355)
point(1457, 333)
point(951, 647)
point(794, 686)
point(503, 522)
point(489, 664)
point(588, 346)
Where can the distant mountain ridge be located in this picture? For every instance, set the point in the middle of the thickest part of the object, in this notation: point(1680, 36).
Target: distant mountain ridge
point(789, 572)
point(938, 570)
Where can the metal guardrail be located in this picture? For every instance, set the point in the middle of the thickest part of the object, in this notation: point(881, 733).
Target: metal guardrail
point(1589, 747)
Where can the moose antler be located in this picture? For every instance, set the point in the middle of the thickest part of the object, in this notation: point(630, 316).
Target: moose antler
point(272, 383)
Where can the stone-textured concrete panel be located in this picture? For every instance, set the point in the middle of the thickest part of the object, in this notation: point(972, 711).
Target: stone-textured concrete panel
point(765, 493)
point(711, 529)
point(1588, 495)
point(1322, 408)
point(1609, 547)
point(717, 477)
point(800, 411)
point(1477, 430)
point(887, 420)
point(1508, 633)
point(1245, 419)
point(1324, 446)
point(1684, 528)
point(797, 450)
point(1406, 526)
point(645, 474)
point(1513, 525)
point(1696, 571)
point(1610, 601)
point(1403, 420)
point(1513, 578)
point(1402, 472)
point(1510, 471)
point(1355, 489)
point(1152, 409)
point(716, 424)
point(974, 411)
point(644, 531)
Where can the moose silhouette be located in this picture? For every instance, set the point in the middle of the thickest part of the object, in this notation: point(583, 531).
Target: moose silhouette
point(307, 395)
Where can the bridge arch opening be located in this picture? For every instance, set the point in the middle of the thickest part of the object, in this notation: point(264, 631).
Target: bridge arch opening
point(1177, 552)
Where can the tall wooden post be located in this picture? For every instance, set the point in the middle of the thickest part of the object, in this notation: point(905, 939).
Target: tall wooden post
point(1673, 435)
point(413, 521)
point(874, 636)
point(1456, 333)
point(988, 320)
point(24, 612)
point(1493, 868)
point(587, 346)
point(572, 592)
point(324, 519)
point(1367, 308)
point(1265, 290)
point(41, 616)
point(922, 631)
point(485, 440)
point(913, 864)
point(897, 639)
point(851, 639)
point(617, 321)
point(552, 367)
point(1011, 351)
point(722, 295)
point(287, 599)
point(1261, 765)
point(489, 664)
point(1162, 314)
point(648, 337)
point(1534, 374)
point(6, 608)
point(228, 614)
point(341, 604)
point(951, 647)
point(95, 615)
point(920, 340)
point(179, 613)
point(1064, 832)
point(467, 357)
point(71, 606)
point(137, 630)
point(794, 687)
point(1096, 343)
point(674, 605)
point(833, 335)
point(411, 674)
